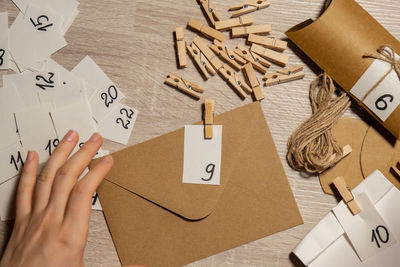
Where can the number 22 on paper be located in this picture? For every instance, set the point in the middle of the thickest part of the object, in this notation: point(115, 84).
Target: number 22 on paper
point(202, 157)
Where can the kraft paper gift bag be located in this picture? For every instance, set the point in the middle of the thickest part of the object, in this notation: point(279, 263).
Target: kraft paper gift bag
point(156, 220)
point(338, 41)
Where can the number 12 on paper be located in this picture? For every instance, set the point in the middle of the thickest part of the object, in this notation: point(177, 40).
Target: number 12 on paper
point(202, 157)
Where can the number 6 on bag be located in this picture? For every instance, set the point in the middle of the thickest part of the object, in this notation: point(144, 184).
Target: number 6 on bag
point(202, 157)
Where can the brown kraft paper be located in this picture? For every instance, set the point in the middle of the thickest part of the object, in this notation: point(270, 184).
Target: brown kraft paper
point(337, 41)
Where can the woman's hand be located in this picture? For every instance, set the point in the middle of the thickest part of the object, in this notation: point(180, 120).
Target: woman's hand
point(53, 209)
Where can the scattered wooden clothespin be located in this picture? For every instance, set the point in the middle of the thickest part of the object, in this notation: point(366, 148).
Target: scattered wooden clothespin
point(346, 150)
point(235, 22)
point(201, 61)
point(346, 194)
point(396, 169)
point(210, 10)
point(214, 60)
point(283, 76)
point(246, 55)
point(271, 43)
point(208, 118)
point(181, 46)
point(185, 86)
point(226, 72)
point(226, 54)
point(206, 30)
point(271, 55)
point(251, 77)
point(235, 81)
point(248, 7)
point(246, 30)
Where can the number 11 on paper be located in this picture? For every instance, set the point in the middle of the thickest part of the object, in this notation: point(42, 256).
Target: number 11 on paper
point(202, 157)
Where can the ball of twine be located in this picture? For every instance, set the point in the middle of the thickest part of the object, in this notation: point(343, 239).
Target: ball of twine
point(312, 147)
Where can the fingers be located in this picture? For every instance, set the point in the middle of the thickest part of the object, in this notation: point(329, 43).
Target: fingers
point(26, 186)
point(68, 174)
point(45, 180)
point(79, 207)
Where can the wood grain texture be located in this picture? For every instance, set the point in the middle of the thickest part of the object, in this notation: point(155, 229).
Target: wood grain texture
point(133, 42)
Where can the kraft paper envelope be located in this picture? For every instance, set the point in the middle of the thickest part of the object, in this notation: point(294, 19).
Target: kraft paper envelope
point(337, 41)
point(157, 220)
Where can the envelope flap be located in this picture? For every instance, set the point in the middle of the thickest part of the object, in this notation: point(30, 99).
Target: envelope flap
point(153, 169)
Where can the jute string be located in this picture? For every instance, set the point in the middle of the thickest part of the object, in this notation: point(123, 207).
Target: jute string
point(312, 147)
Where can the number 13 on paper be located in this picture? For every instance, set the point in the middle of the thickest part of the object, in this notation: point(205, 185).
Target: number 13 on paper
point(202, 157)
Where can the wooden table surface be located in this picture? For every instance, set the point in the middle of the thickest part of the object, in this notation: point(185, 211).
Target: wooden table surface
point(132, 41)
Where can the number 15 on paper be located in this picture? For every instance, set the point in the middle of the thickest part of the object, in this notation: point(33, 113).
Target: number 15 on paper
point(202, 157)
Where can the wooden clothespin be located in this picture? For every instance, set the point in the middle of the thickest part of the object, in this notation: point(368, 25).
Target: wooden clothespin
point(226, 72)
point(251, 77)
point(201, 61)
point(206, 30)
point(226, 54)
point(283, 76)
point(210, 10)
point(181, 46)
point(185, 86)
point(396, 169)
point(346, 194)
point(260, 60)
point(228, 24)
point(246, 55)
point(208, 118)
point(214, 60)
point(271, 55)
point(246, 30)
point(237, 83)
point(248, 7)
point(271, 43)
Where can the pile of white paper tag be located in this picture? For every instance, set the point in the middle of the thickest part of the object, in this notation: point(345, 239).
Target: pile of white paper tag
point(43, 101)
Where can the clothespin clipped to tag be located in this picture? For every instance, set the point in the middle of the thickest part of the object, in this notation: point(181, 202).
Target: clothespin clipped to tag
point(251, 77)
point(211, 12)
point(346, 194)
point(268, 42)
point(253, 29)
point(206, 30)
point(271, 55)
point(283, 76)
point(248, 7)
point(201, 61)
point(185, 86)
point(396, 169)
point(208, 118)
point(181, 46)
point(228, 24)
point(227, 55)
point(246, 55)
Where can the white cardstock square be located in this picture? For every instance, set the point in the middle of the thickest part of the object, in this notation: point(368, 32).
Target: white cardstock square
point(117, 126)
point(12, 159)
point(4, 46)
point(202, 157)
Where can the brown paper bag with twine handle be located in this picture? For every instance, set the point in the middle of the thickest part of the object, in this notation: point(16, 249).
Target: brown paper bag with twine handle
point(338, 41)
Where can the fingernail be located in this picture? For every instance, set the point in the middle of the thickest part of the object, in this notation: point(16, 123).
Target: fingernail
point(94, 138)
point(107, 159)
point(30, 156)
point(70, 136)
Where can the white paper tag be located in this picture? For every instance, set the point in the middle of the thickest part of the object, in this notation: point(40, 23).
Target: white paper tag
point(8, 191)
point(385, 98)
point(367, 231)
point(4, 53)
point(42, 29)
point(117, 126)
point(106, 95)
point(202, 157)
point(36, 131)
point(12, 159)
